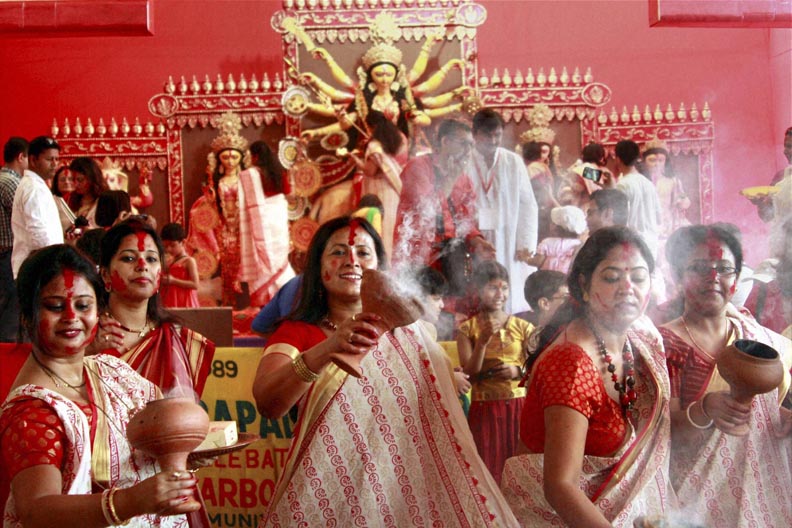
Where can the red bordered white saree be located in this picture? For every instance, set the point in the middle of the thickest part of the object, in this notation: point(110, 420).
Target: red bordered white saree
point(389, 449)
point(626, 485)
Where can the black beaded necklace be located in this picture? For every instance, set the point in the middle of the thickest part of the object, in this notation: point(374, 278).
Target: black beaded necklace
point(626, 388)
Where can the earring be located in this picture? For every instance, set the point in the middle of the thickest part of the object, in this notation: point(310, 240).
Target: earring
point(371, 87)
point(108, 287)
point(585, 297)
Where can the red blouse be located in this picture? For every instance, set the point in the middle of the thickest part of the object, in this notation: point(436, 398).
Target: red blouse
point(31, 434)
point(688, 370)
point(568, 377)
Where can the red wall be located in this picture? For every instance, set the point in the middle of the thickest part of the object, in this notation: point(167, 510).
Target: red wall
point(744, 74)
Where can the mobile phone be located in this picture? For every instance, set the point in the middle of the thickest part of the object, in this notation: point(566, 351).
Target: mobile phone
point(590, 173)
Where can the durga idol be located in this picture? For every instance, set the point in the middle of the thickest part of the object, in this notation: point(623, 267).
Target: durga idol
point(236, 220)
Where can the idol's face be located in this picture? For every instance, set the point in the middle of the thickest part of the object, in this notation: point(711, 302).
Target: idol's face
point(655, 163)
point(383, 75)
point(230, 160)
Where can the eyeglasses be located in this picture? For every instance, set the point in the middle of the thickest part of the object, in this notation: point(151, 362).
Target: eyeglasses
point(705, 270)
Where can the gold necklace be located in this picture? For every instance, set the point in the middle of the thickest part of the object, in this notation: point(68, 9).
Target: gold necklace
point(695, 343)
point(55, 377)
point(141, 333)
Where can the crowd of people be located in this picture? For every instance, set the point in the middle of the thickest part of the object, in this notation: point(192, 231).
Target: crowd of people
point(595, 397)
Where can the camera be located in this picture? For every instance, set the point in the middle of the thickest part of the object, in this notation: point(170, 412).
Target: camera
point(590, 173)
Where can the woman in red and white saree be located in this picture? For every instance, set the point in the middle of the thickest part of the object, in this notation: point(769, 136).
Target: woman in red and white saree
point(596, 422)
point(134, 327)
point(723, 478)
point(391, 448)
point(63, 426)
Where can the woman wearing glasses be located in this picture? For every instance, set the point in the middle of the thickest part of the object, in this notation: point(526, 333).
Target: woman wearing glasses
point(721, 478)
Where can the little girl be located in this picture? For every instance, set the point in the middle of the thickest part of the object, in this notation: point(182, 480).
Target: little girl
point(557, 251)
point(492, 352)
point(180, 282)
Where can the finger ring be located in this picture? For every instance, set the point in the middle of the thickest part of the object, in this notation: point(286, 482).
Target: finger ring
point(350, 337)
point(107, 337)
point(354, 317)
point(175, 475)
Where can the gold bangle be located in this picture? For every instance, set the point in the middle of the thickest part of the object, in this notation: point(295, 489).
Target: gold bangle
point(302, 370)
point(694, 424)
point(106, 508)
point(113, 514)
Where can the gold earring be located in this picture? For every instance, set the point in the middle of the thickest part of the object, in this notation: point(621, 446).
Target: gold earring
point(371, 87)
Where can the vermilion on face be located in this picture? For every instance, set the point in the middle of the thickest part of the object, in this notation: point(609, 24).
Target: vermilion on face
point(344, 258)
point(135, 269)
point(709, 294)
point(619, 289)
point(68, 315)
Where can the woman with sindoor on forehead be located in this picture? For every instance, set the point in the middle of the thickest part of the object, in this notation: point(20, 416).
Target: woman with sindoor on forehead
point(595, 422)
point(134, 326)
point(722, 479)
point(391, 447)
point(63, 426)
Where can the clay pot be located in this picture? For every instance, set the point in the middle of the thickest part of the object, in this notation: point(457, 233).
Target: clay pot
point(380, 295)
point(750, 368)
point(169, 429)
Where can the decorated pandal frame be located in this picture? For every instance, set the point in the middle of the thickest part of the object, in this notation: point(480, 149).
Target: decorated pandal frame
point(171, 144)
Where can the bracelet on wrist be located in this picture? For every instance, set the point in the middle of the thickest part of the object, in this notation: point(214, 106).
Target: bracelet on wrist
point(106, 507)
point(117, 521)
point(302, 370)
point(694, 424)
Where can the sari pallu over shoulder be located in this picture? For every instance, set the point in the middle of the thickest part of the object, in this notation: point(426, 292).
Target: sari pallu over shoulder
point(739, 481)
point(633, 481)
point(117, 391)
point(389, 449)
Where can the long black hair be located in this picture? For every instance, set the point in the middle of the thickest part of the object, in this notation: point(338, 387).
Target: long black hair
point(39, 269)
point(313, 306)
point(588, 258)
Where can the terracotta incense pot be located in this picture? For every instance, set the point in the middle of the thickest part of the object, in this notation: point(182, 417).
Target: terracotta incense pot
point(380, 295)
point(750, 368)
point(169, 429)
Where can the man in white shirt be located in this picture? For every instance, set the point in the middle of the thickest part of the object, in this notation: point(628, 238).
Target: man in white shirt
point(507, 212)
point(644, 214)
point(34, 218)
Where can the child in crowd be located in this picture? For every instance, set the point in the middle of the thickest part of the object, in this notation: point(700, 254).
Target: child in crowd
point(433, 287)
point(492, 351)
point(180, 282)
point(545, 291)
point(557, 251)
